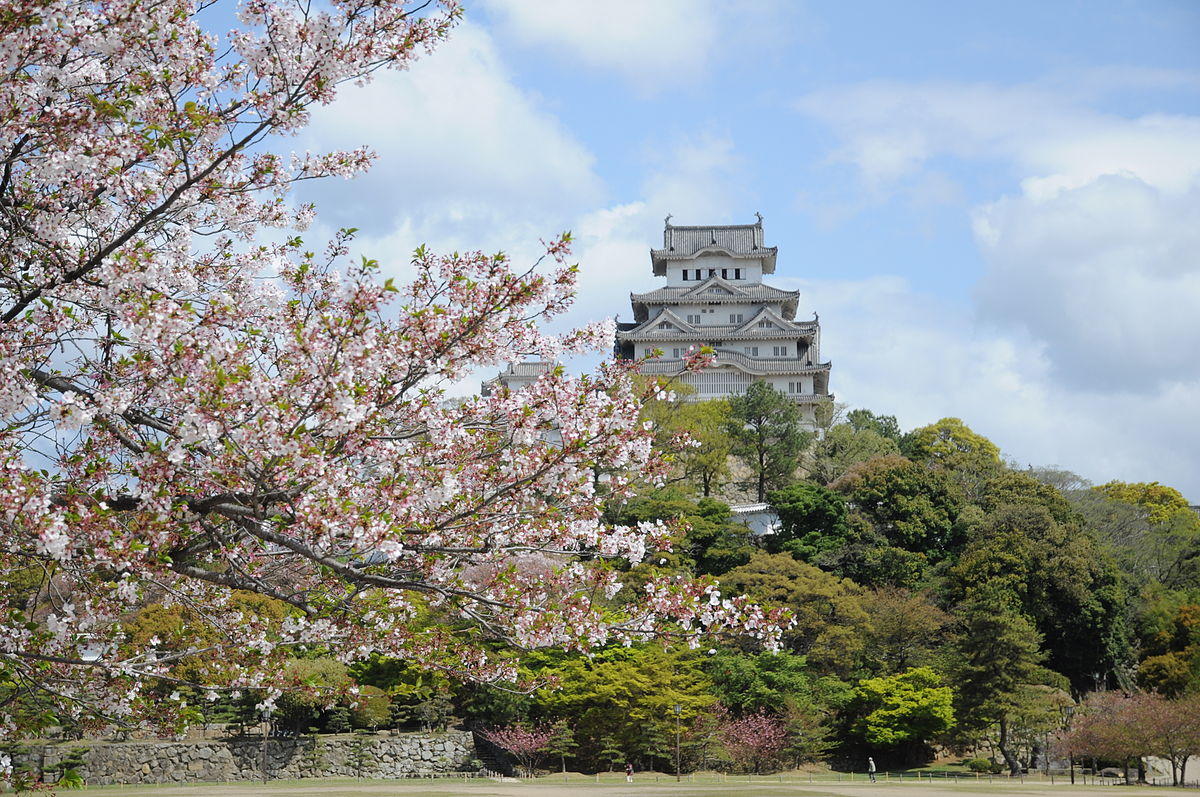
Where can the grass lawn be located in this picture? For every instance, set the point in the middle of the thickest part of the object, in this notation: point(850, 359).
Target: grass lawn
point(573, 784)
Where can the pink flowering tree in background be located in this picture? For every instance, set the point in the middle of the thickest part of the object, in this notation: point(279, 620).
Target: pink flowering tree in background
point(198, 411)
point(754, 742)
point(527, 743)
point(1115, 726)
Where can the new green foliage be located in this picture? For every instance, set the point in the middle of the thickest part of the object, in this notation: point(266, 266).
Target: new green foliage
point(910, 707)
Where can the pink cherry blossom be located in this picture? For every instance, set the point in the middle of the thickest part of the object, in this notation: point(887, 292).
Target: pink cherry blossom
point(193, 412)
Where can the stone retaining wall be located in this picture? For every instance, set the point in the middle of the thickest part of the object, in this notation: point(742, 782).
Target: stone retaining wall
point(368, 756)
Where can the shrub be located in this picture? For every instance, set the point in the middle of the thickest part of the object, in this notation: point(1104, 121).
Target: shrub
point(983, 765)
point(373, 709)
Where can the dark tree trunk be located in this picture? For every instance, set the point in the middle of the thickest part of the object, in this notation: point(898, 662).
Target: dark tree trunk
point(1014, 766)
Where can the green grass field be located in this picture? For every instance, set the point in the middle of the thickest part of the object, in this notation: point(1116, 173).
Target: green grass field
point(571, 785)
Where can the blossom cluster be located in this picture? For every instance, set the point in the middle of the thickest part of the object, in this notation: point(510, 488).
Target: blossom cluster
point(255, 436)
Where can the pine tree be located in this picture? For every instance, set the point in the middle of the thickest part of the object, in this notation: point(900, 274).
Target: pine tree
point(766, 434)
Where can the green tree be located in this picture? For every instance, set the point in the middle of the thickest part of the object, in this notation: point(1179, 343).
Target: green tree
point(704, 461)
point(998, 654)
point(1169, 626)
point(1153, 533)
point(562, 741)
point(622, 697)
point(372, 709)
point(829, 615)
point(714, 542)
point(321, 680)
point(862, 420)
point(905, 629)
point(749, 682)
point(1058, 577)
point(950, 445)
point(908, 505)
point(908, 708)
point(1166, 552)
point(1159, 500)
point(812, 521)
point(707, 462)
point(843, 446)
point(765, 433)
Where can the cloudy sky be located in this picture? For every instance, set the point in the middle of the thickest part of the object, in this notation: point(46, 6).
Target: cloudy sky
point(994, 208)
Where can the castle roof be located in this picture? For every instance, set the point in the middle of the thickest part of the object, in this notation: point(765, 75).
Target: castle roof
point(715, 290)
point(739, 241)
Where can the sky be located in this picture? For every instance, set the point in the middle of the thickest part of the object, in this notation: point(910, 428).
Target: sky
point(994, 208)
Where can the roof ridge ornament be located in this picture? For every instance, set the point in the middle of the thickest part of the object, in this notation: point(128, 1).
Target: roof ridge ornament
point(667, 220)
point(759, 217)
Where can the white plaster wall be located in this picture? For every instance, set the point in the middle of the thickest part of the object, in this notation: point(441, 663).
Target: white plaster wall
point(751, 269)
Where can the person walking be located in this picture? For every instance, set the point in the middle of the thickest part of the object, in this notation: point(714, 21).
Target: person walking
point(871, 769)
point(628, 772)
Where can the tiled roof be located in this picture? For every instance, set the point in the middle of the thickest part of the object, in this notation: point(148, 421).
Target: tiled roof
point(535, 368)
point(739, 294)
point(517, 373)
point(674, 293)
point(684, 332)
point(738, 240)
point(758, 366)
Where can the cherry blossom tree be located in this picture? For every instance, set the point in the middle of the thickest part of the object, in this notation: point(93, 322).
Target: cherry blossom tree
point(528, 744)
point(754, 741)
point(198, 411)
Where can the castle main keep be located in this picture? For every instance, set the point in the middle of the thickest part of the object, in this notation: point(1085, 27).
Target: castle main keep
point(715, 296)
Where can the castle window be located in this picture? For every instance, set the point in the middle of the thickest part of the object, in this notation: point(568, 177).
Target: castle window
point(735, 318)
point(779, 351)
point(664, 325)
point(724, 273)
point(751, 351)
point(712, 272)
point(737, 273)
point(693, 319)
point(765, 325)
point(685, 275)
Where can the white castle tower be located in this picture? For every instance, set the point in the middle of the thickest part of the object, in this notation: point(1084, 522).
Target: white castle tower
point(715, 297)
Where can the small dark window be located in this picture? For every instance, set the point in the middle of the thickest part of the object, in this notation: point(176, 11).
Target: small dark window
point(737, 273)
point(724, 273)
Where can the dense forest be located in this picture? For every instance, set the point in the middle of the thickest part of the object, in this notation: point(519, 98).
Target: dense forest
point(942, 599)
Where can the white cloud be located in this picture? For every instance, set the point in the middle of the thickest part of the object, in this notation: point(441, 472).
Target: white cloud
point(900, 352)
point(695, 180)
point(1094, 251)
point(891, 131)
point(1092, 273)
point(1108, 274)
point(650, 44)
point(464, 154)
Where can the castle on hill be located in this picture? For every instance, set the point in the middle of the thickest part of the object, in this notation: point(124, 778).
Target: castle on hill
point(715, 296)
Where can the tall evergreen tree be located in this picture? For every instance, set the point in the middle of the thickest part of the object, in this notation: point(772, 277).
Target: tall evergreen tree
point(998, 653)
point(766, 434)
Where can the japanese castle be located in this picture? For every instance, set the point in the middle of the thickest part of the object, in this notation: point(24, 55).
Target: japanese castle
point(715, 296)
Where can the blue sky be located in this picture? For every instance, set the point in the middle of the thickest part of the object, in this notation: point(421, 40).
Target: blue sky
point(995, 208)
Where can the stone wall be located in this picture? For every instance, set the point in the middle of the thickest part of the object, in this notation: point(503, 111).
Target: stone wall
point(368, 756)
